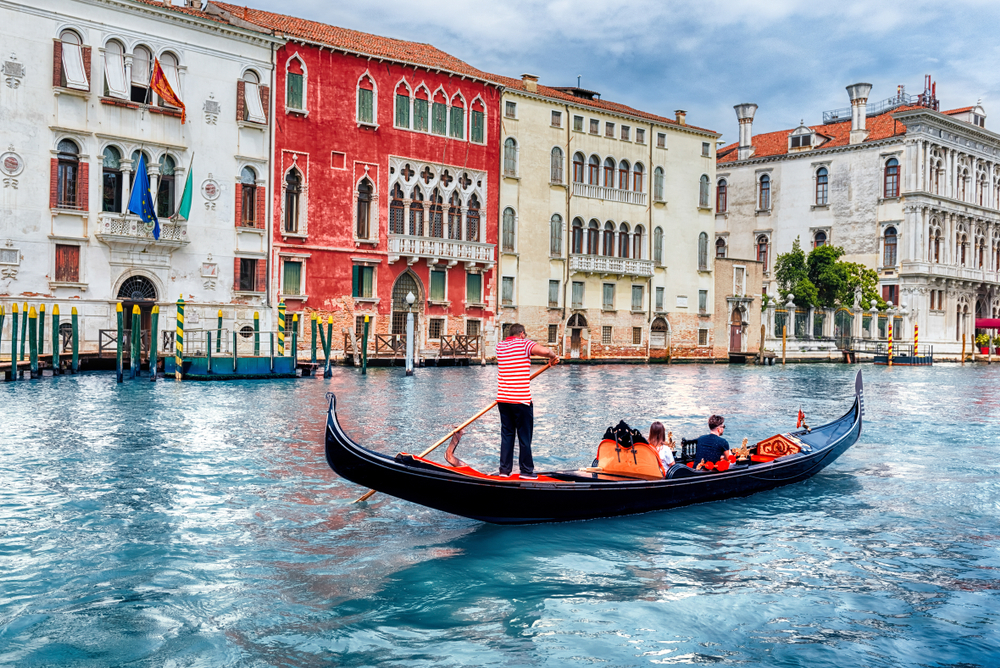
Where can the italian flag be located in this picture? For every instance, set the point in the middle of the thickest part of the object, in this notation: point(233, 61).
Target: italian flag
point(184, 210)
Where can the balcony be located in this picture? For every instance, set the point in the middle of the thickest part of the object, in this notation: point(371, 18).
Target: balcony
point(128, 232)
point(609, 194)
point(610, 266)
point(450, 251)
point(949, 271)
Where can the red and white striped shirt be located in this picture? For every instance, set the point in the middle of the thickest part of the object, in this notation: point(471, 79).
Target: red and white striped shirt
point(514, 370)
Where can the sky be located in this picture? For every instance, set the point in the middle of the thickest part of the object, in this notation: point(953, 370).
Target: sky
point(793, 58)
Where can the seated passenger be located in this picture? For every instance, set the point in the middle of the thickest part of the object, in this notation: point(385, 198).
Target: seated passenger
point(657, 437)
point(712, 447)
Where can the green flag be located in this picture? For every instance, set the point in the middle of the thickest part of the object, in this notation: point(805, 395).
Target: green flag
point(184, 210)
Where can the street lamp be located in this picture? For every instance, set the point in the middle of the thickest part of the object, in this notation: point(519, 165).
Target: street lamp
point(410, 298)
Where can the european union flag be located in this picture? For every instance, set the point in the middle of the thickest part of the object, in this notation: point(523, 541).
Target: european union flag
point(141, 201)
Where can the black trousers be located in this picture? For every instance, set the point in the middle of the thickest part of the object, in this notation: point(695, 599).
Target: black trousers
point(516, 419)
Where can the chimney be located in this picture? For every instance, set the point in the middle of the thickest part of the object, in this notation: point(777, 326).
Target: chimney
point(530, 82)
point(744, 113)
point(859, 108)
point(680, 115)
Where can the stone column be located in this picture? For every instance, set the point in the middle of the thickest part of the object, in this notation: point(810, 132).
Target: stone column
point(126, 166)
point(810, 322)
point(790, 318)
point(769, 319)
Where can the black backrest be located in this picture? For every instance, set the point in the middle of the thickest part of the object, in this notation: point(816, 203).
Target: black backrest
point(688, 447)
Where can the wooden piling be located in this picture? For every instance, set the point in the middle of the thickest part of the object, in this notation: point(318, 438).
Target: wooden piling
point(364, 347)
point(270, 351)
point(327, 346)
point(179, 340)
point(13, 342)
point(41, 328)
point(33, 342)
point(963, 349)
point(133, 370)
point(218, 334)
point(2, 316)
point(55, 339)
point(154, 326)
point(295, 342)
point(784, 342)
point(24, 330)
point(312, 325)
point(208, 351)
point(75, 320)
point(118, 366)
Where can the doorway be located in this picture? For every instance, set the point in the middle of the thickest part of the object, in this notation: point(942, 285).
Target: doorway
point(736, 331)
point(576, 325)
point(137, 291)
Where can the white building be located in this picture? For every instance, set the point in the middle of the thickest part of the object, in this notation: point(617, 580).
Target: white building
point(905, 189)
point(76, 113)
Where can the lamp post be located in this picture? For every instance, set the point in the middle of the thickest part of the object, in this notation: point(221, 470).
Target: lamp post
point(410, 298)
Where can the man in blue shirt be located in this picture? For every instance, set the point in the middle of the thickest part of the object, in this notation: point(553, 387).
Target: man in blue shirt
point(712, 447)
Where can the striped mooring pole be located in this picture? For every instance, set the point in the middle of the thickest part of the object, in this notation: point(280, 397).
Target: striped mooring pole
point(281, 329)
point(136, 354)
point(218, 334)
point(75, 320)
point(916, 339)
point(890, 342)
point(179, 340)
point(312, 325)
point(13, 341)
point(41, 328)
point(153, 332)
point(24, 330)
point(2, 316)
point(256, 334)
point(33, 342)
point(121, 325)
point(295, 342)
point(55, 340)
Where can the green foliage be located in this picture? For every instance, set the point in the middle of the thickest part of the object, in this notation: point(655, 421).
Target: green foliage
point(982, 340)
point(867, 279)
point(829, 275)
point(793, 277)
point(822, 279)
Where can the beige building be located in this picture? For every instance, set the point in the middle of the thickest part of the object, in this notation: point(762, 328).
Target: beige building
point(605, 225)
point(738, 286)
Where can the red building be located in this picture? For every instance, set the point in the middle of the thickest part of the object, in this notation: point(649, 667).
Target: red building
point(386, 165)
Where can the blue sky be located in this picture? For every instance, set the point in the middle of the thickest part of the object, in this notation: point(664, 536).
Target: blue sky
point(794, 58)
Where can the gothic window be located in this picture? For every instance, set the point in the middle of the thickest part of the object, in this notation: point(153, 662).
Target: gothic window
point(555, 235)
point(472, 220)
point(165, 190)
point(437, 215)
point(609, 239)
point(822, 186)
point(637, 242)
point(455, 216)
point(658, 184)
point(722, 196)
point(510, 157)
point(365, 191)
point(593, 237)
point(248, 197)
point(703, 191)
point(658, 246)
point(720, 247)
point(623, 240)
point(397, 211)
point(578, 168)
point(891, 186)
point(762, 245)
point(295, 90)
point(111, 184)
point(477, 131)
point(556, 165)
point(439, 115)
point(366, 101)
point(402, 119)
point(417, 214)
point(456, 125)
point(703, 251)
point(293, 190)
point(508, 230)
point(577, 236)
point(889, 248)
point(764, 196)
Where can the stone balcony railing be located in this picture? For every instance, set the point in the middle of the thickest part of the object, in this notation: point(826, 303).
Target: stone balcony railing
point(609, 194)
point(450, 251)
point(115, 229)
point(600, 264)
point(950, 271)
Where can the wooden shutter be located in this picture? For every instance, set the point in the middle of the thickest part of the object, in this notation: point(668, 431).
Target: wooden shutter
point(236, 275)
point(67, 263)
point(261, 207)
point(57, 63)
point(239, 203)
point(86, 65)
point(54, 184)
point(241, 97)
point(265, 101)
point(261, 285)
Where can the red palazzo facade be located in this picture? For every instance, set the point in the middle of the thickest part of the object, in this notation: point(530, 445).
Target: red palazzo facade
point(386, 182)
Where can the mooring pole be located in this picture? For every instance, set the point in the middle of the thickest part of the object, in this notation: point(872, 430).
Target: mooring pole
point(24, 330)
point(890, 342)
point(271, 350)
point(133, 371)
point(256, 334)
point(55, 338)
point(409, 342)
point(328, 345)
point(13, 341)
point(312, 326)
point(218, 334)
point(118, 339)
point(295, 342)
point(179, 340)
point(281, 329)
point(784, 342)
point(916, 338)
point(33, 342)
point(2, 316)
point(41, 328)
point(364, 347)
point(153, 334)
point(208, 350)
point(963, 344)
point(75, 320)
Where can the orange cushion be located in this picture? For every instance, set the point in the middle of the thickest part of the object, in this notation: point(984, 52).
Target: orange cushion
point(761, 458)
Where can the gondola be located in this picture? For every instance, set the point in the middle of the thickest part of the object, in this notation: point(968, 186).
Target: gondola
point(558, 496)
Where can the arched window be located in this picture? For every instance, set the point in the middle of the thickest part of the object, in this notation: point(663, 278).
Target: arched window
point(637, 242)
point(609, 173)
point(455, 216)
point(555, 235)
point(293, 189)
point(165, 191)
point(111, 186)
point(508, 230)
point(764, 196)
point(658, 184)
point(439, 114)
point(889, 248)
point(577, 236)
point(658, 246)
point(593, 237)
point(248, 197)
point(722, 196)
point(472, 220)
point(510, 157)
point(142, 67)
point(402, 118)
point(609, 240)
point(762, 245)
point(72, 69)
point(703, 251)
point(253, 106)
point(556, 165)
point(114, 70)
point(638, 175)
point(578, 167)
point(963, 178)
point(623, 240)
point(397, 211)
point(963, 245)
point(623, 172)
point(168, 63)
point(456, 120)
point(703, 191)
point(366, 100)
point(720, 247)
point(295, 89)
point(935, 249)
point(892, 178)
point(365, 191)
point(437, 215)
point(819, 239)
point(822, 186)
point(417, 213)
point(980, 244)
point(67, 175)
point(594, 171)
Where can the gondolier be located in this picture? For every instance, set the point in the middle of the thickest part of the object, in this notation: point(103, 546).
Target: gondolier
point(514, 399)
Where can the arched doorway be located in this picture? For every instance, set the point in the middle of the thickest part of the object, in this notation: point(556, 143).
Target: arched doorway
point(736, 331)
point(577, 323)
point(659, 330)
point(138, 291)
point(406, 283)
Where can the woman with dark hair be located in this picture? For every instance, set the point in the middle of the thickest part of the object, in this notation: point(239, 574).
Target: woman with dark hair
point(657, 439)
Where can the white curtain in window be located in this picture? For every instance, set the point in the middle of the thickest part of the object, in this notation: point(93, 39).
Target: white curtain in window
point(114, 71)
point(254, 107)
point(73, 69)
point(141, 62)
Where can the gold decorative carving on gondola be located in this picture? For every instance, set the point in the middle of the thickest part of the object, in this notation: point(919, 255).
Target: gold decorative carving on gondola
point(777, 446)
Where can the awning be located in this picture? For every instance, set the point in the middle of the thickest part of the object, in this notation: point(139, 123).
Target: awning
point(987, 323)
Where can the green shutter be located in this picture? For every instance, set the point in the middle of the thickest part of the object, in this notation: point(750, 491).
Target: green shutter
point(420, 115)
point(477, 127)
point(474, 288)
point(457, 122)
point(291, 285)
point(402, 111)
point(354, 280)
point(440, 119)
point(294, 83)
point(437, 286)
point(365, 114)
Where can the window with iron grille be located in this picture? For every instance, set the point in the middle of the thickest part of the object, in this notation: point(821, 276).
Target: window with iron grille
point(661, 140)
point(606, 335)
point(398, 322)
point(637, 336)
point(472, 328)
point(608, 303)
point(702, 337)
point(435, 327)
point(659, 299)
point(510, 109)
point(507, 291)
point(557, 119)
point(637, 291)
point(577, 294)
point(703, 301)
point(578, 123)
point(553, 334)
point(553, 293)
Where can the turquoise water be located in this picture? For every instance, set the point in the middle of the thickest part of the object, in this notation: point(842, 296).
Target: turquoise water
point(198, 524)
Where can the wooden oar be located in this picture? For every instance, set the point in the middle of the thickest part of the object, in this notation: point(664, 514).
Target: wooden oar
point(367, 495)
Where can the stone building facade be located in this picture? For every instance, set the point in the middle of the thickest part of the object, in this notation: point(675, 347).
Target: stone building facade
point(77, 113)
point(737, 321)
point(907, 190)
point(605, 225)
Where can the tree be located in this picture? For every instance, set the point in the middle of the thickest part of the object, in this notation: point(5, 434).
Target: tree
point(793, 277)
point(858, 275)
point(829, 275)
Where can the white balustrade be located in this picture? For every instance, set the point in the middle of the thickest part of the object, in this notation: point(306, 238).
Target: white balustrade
point(439, 249)
point(600, 264)
point(609, 194)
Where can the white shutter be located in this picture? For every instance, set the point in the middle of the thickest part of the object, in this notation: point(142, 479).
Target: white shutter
point(73, 69)
point(114, 72)
point(251, 98)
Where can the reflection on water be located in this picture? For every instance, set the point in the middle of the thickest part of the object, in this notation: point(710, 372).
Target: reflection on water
point(198, 524)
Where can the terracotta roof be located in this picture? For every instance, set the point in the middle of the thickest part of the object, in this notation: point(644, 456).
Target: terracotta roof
point(956, 111)
point(772, 144)
point(190, 11)
point(603, 105)
point(354, 41)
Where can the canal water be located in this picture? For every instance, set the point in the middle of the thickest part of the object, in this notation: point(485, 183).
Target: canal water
point(197, 524)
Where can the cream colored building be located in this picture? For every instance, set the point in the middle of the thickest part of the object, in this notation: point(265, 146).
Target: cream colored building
point(605, 225)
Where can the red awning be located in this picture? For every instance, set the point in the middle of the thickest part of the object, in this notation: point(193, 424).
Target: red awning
point(987, 323)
